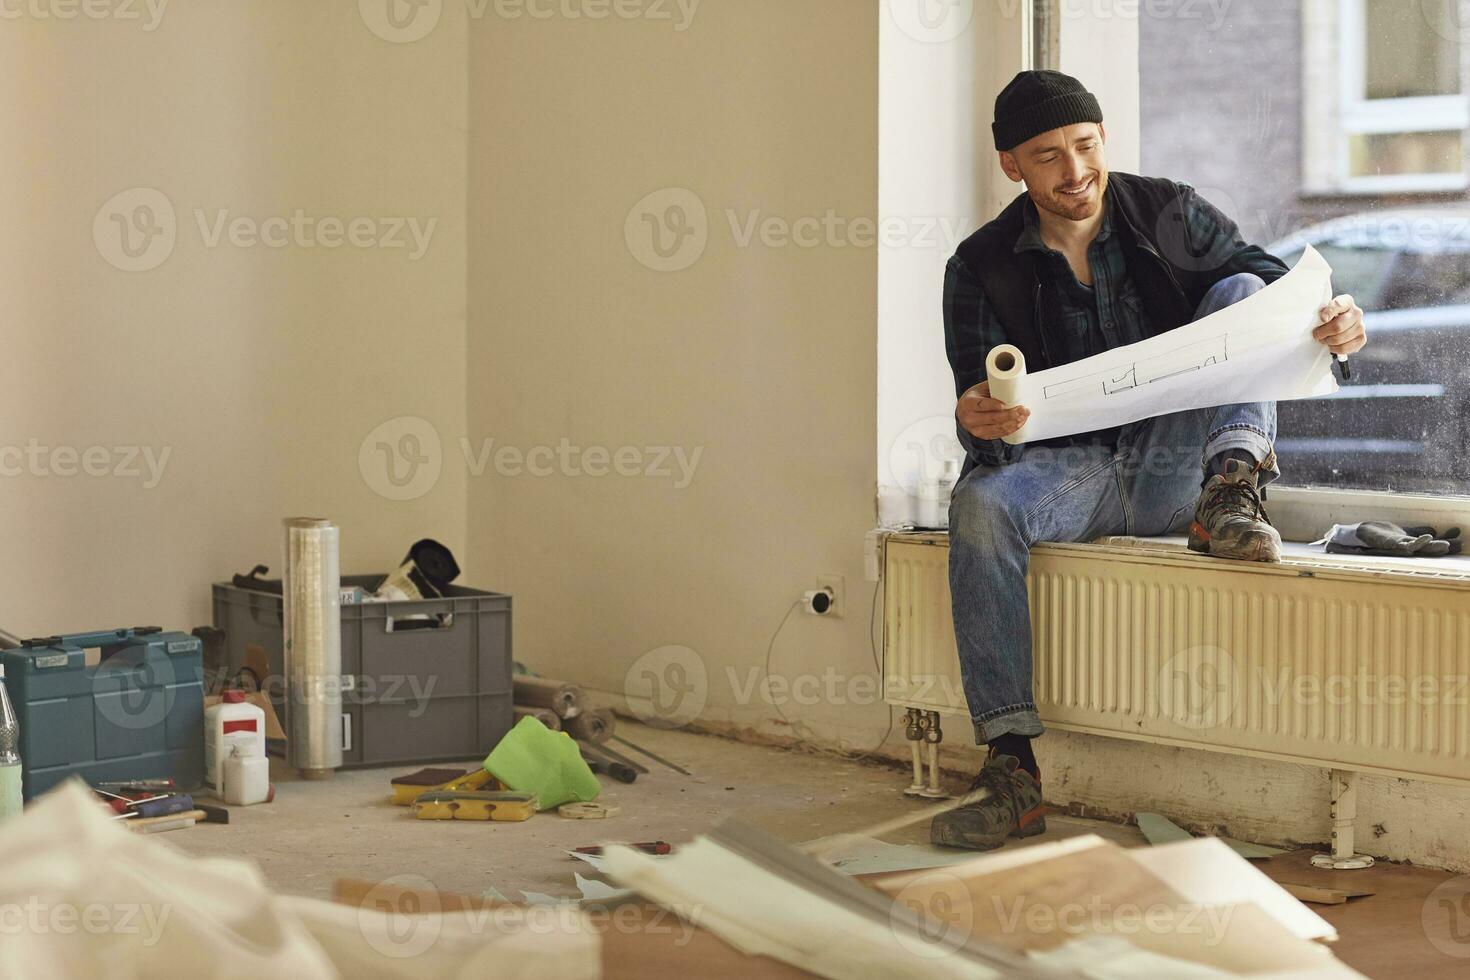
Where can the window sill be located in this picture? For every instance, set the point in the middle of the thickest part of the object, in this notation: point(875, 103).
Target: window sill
point(1307, 513)
point(1428, 188)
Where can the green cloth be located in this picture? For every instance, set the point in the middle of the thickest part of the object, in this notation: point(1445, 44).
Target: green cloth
point(534, 759)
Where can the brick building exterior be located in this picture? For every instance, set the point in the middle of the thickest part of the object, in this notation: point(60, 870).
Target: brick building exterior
point(1225, 105)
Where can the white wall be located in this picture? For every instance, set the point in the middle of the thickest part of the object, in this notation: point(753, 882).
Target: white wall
point(259, 371)
point(939, 180)
point(1096, 42)
point(760, 356)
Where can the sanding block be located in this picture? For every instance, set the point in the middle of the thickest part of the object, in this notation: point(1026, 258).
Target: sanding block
point(408, 788)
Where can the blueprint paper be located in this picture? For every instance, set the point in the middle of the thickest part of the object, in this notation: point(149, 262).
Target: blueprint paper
point(1260, 349)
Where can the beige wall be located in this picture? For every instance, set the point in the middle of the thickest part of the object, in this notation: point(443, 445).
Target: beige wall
point(259, 370)
point(761, 357)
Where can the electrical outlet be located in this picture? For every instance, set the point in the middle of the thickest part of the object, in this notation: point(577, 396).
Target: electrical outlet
point(838, 586)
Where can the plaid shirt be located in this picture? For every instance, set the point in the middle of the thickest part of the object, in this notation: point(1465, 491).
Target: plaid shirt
point(1106, 315)
point(1095, 318)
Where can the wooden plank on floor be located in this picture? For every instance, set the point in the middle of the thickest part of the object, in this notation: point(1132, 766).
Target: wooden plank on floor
point(1384, 934)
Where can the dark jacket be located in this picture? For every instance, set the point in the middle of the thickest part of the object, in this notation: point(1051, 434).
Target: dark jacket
point(1176, 244)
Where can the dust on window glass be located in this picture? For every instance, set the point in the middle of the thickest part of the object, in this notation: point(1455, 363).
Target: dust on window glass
point(1413, 48)
point(1223, 108)
point(1377, 154)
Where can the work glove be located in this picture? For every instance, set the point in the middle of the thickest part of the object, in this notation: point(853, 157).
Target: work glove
point(1387, 538)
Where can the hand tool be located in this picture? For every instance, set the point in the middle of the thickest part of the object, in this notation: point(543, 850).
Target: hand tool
point(465, 805)
point(659, 759)
point(647, 847)
point(213, 814)
point(161, 806)
point(171, 821)
point(612, 753)
point(602, 764)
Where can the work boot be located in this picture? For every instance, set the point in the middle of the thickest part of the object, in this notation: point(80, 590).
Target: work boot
point(1013, 809)
point(1229, 520)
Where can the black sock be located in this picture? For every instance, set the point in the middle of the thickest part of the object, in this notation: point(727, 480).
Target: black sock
point(1218, 462)
point(1019, 746)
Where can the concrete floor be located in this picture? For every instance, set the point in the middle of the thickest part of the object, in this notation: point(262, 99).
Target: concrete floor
point(316, 832)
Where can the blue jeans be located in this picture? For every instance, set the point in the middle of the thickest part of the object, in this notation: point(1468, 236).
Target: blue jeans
point(1148, 485)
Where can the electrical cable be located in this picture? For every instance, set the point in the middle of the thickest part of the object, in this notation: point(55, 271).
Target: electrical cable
point(877, 664)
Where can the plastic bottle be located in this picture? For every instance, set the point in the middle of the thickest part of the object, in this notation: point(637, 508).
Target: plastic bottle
point(949, 476)
point(233, 721)
point(247, 777)
point(10, 770)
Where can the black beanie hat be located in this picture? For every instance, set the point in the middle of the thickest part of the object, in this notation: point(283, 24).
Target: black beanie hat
point(1037, 102)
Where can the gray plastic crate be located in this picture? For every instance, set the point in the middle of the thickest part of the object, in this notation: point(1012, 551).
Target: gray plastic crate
point(410, 695)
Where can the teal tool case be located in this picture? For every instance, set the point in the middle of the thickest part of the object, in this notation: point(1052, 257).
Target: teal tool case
point(136, 713)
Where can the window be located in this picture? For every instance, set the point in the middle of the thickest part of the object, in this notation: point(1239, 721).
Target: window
point(1404, 110)
point(1325, 122)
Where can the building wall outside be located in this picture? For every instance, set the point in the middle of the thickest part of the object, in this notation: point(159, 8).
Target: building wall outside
point(1222, 108)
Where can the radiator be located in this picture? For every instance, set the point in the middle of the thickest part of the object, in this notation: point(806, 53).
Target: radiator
point(1311, 661)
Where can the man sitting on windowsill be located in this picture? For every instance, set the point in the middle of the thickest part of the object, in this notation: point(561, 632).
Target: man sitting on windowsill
point(1083, 262)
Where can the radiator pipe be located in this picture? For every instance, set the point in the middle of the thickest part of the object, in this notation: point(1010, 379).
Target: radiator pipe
point(913, 731)
point(933, 735)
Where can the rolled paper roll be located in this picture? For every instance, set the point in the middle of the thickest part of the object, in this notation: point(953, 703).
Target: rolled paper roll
point(546, 716)
point(592, 726)
point(1005, 365)
point(543, 692)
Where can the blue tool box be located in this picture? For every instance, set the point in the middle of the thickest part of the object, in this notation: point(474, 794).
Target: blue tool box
point(137, 712)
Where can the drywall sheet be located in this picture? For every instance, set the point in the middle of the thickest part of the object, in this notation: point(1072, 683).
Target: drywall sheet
point(1260, 349)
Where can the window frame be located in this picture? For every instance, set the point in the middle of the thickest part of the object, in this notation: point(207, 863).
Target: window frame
point(1360, 116)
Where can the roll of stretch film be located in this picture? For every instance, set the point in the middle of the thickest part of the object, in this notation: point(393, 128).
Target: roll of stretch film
point(312, 623)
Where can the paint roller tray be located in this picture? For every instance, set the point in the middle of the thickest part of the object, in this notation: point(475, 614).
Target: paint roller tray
point(425, 680)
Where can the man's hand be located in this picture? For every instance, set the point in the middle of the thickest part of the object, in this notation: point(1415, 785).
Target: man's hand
point(987, 418)
point(1341, 326)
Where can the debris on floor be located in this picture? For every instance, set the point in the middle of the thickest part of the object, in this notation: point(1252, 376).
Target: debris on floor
point(151, 910)
point(533, 759)
point(1161, 830)
point(853, 854)
point(1002, 913)
point(1318, 895)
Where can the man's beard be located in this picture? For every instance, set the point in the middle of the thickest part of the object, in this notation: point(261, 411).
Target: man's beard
point(1078, 209)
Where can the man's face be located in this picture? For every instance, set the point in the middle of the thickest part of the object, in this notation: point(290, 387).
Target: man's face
point(1065, 170)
